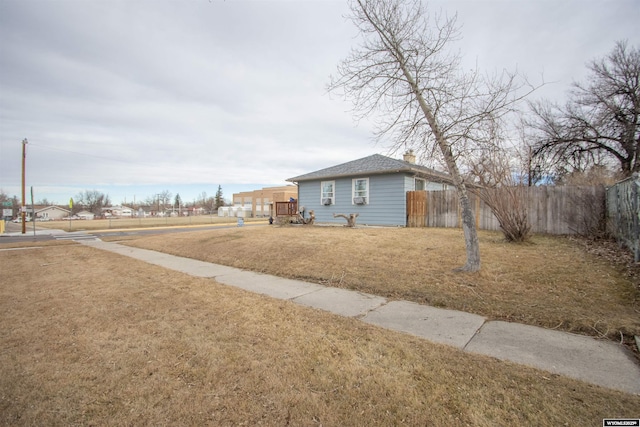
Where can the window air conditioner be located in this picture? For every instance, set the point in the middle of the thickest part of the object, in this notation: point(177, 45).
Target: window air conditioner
point(360, 200)
point(326, 202)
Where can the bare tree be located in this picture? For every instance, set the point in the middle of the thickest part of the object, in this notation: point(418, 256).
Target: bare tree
point(44, 202)
point(92, 201)
point(600, 123)
point(4, 197)
point(403, 70)
point(159, 201)
point(202, 198)
point(209, 204)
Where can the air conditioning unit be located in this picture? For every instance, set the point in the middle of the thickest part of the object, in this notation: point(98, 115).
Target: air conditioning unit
point(326, 202)
point(360, 200)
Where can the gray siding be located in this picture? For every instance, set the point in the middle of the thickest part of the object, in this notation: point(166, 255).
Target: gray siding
point(437, 186)
point(386, 204)
point(410, 185)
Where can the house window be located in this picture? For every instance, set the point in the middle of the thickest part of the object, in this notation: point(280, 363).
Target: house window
point(327, 196)
point(360, 191)
point(420, 184)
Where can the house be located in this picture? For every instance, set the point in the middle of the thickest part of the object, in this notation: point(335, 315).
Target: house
point(259, 203)
point(85, 215)
point(374, 187)
point(51, 213)
point(117, 211)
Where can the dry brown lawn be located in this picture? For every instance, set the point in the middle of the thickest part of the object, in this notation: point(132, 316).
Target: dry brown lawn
point(93, 338)
point(551, 282)
point(149, 222)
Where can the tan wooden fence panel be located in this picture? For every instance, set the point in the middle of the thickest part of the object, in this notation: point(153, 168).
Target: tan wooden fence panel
point(416, 208)
point(552, 210)
point(442, 209)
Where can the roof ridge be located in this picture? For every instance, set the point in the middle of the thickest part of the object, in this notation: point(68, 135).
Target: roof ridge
point(372, 164)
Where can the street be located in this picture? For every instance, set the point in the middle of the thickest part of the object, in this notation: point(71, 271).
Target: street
point(13, 232)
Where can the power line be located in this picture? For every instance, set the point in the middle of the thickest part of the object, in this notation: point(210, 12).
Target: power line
point(126, 161)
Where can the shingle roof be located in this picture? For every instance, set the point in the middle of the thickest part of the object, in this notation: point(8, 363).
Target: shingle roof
point(372, 165)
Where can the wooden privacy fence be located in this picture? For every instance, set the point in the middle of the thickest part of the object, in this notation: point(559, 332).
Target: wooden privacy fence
point(286, 208)
point(623, 213)
point(552, 210)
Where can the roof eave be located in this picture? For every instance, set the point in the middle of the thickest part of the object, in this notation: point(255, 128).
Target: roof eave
point(345, 175)
point(412, 170)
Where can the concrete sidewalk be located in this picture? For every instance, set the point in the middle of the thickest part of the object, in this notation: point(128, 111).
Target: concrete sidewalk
point(595, 361)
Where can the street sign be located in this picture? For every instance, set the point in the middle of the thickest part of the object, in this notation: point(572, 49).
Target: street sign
point(7, 203)
point(7, 212)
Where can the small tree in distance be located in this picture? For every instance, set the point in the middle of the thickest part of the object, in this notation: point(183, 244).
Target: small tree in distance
point(177, 203)
point(164, 200)
point(92, 201)
point(219, 199)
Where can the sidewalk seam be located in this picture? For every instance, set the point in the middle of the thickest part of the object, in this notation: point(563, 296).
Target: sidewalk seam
point(475, 334)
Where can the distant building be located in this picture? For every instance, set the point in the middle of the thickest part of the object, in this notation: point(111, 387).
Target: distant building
point(117, 211)
point(261, 202)
point(51, 213)
point(85, 215)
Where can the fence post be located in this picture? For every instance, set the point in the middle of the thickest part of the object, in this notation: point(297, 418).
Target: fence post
point(620, 230)
point(477, 210)
point(635, 225)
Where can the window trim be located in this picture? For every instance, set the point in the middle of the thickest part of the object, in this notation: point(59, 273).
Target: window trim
point(415, 181)
point(333, 192)
point(353, 191)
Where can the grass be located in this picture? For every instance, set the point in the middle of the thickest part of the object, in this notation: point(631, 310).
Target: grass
point(551, 282)
point(84, 343)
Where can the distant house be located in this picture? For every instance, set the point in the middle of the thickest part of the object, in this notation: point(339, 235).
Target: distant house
point(374, 187)
point(85, 215)
point(117, 211)
point(51, 213)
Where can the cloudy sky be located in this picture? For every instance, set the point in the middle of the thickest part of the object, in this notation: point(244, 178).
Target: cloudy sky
point(135, 97)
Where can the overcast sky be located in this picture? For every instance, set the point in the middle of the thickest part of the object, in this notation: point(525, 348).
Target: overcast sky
point(131, 98)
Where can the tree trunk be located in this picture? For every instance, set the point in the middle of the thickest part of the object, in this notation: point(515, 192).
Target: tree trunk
point(470, 233)
point(468, 222)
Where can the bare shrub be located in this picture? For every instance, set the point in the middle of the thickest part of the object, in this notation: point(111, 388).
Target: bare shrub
point(286, 220)
point(506, 198)
point(509, 205)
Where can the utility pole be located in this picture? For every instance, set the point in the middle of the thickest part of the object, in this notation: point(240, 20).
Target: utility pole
point(24, 208)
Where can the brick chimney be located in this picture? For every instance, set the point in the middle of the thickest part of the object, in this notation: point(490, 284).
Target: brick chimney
point(409, 157)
